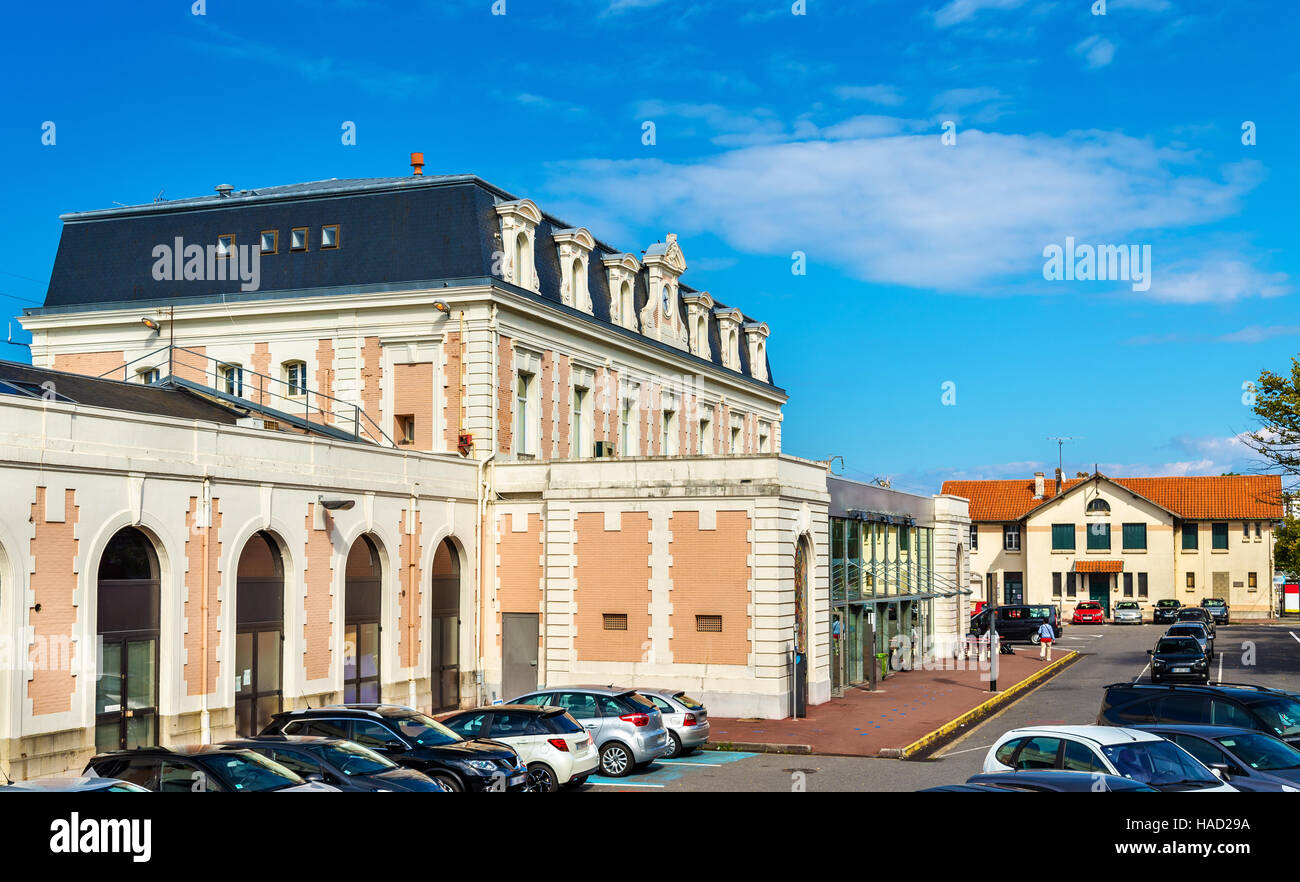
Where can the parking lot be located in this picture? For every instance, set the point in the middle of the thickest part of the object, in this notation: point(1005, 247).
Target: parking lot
point(1264, 654)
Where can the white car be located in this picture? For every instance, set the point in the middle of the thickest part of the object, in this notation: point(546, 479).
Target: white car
point(1112, 750)
point(556, 749)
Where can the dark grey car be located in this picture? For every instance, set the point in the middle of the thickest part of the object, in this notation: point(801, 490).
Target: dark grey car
point(1251, 761)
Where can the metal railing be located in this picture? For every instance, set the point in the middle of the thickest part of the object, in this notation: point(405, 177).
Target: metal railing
point(237, 384)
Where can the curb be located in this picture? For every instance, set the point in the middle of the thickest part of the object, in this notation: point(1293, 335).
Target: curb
point(757, 747)
point(944, 733)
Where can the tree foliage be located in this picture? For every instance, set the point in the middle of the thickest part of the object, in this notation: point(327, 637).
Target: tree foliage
point(1277, 404)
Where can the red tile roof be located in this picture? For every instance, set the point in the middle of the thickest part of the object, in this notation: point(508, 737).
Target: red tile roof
point(1209, 497)
point(1099, 566)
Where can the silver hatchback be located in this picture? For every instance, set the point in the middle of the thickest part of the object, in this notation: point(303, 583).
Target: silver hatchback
point(626, 727)
point(686, 720)
point(1127, 612)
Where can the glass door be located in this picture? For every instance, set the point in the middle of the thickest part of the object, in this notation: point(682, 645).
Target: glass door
point(361, 663)
point(257, 686)
point(126, 704)
point(444, 678)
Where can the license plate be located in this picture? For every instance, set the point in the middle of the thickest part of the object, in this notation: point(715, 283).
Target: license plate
point(1182, 670)
point(517, 779)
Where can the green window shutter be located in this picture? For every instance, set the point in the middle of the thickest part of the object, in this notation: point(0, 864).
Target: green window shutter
point(1189, 537)
point(1219, 536)
point(1099, 537)
point(1063, 537)
point(1135, 537)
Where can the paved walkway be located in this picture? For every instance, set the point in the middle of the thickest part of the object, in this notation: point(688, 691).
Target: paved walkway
point(906, 706)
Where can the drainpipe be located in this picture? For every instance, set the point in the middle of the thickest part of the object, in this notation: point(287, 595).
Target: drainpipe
point(414, 549)
point(480, 589)
point(205, 512)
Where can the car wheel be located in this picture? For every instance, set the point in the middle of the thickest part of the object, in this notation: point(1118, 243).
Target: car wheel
point(1034, 638)
point(615, 760)
point(541, 779)
point(449, 782)
point(674, 748)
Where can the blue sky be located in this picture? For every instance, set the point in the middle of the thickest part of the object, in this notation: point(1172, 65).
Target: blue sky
point(775, 133)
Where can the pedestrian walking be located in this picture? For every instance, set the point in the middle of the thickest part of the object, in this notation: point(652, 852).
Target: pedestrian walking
point(1045, 637)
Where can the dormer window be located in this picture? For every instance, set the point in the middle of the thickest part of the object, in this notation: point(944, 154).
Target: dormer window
point(270, 241)
point(627, 308)
point(574, 248)
point(729, 334)
point(698, 307)
point(329, 236)
point(621, 272)
point(298, 239)
point(664, 264)
point(519, 220)
point(756, 339)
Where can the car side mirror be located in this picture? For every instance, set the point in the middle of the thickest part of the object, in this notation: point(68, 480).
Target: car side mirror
point(1221, 771)
point(394, 746)
point(314, 777)
point(1151, 652)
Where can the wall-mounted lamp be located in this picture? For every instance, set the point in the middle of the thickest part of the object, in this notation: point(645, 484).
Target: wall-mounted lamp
point(335, 504)
point(441, 306)
point(151, 324)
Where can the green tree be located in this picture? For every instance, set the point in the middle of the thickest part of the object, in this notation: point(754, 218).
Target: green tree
point(1277, 404)
point(1286, 546)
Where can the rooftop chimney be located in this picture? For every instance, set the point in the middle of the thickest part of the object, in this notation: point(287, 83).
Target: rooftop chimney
point(417, 163)
point(1039, 489)
point(224, 189)
point(1058, 481)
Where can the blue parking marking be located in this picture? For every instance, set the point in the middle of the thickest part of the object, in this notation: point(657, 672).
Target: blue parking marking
point(661, 772)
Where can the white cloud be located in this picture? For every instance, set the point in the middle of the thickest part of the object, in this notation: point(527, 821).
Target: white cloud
point(958, 11)
point(891, 206)
point(879, 94)
point(1259, 333)
point(1097, 51)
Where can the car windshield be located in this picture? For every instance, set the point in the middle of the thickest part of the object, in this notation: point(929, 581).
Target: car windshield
point(426, 731)
point(690, 703)
point(1281, 714)
point(352, 759)
point(1261, 752)
point(1157, 763)
point(250, 772)
point(1090, 605)
point(1212, 601)
point(1128, 605)
point(1167, 604)
point(1178, 645)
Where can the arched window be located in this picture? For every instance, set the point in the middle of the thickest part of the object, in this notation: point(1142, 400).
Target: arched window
point(702, 335)
point(259, 627)
point(579, 283)
point(363, 578)
point(520, 258)
point(1099, 506)
point(127, 623)
point(295, 377)
point(627, 307)
point(444, 633)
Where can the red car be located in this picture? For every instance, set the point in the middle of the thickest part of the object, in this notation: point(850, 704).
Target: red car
point(1089, 612)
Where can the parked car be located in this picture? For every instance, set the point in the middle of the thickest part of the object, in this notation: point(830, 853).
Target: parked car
point(626, 728)
point(1195, 614)
point(1179, 657)
point(1217, 607)
point(1195, 630)
point(84, 784)
point(339, 763)
point(1129, 753)
point(1165, 612)
point(556, 749)
point(412, 739)
point(1253, 761)
point(686, 720)
point(1088, 612)
point(1017, 622)
point(199, 769)
point(1255, 708)
point(1059, 781)
point(1127, 612)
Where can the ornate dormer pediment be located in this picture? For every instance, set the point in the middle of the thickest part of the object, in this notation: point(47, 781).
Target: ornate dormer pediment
point(698, 307)
point(660, 317)
point(756, 339)
point(621, 271)
point(519, 220)
point(729, 320)
point(574, 247)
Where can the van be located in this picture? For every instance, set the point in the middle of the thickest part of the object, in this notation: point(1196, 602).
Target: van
point(1018, 622)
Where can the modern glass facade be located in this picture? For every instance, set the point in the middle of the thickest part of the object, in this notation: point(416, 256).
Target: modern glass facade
point(882, 590)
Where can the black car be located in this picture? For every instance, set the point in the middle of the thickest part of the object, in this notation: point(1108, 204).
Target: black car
point(1254, 762)
point(342, 764)
point(1179, 657)
point(1245, 706)
point(1017, 622)
point(1196, 614)
point(1195, 630)
point(1059, 781)
point(412, 739)
point(205, 768)
point(1165, 612)
point(1217, 607)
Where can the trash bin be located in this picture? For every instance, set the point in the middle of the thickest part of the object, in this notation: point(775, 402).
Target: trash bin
point(883, 658)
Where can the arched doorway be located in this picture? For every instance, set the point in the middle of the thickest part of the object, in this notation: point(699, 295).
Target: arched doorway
point(444, 628)
point(802, 553)
point(127, 605)
point(362, 593)
point(259, 633)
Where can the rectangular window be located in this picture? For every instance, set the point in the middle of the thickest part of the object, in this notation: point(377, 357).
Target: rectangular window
point(1071, 585)
point(1128, 584)
point(1011, 537)
point(904, 538)
point(295, 377)
point(523, 385)
point(1063, 537)
point(329, 236)
point(1135, 537)
point(668, 439)
point(1259, 530)
point(706, 437)
point(232, 379)
point(1056, 584)
point(1191, 581)
point(225, 245)
point(625, 428)
point(405, 428)
point(1245, 530)
point(579, 444)
point(764, 438)
point(1190, 539)
point(709, 624)
point(1142, 584)
point(147, 375)
point(737, 442)
point(270, 241)
point(1218, 536)
point(615, 621)
point(974, 538)
point(298, 239)
point(1099, 537)
point(1252, 581)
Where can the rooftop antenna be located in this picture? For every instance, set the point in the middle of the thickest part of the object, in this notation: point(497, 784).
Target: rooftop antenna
point(159, 197)
point(1060, 448)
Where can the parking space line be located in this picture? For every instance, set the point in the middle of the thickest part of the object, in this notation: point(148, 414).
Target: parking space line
point(1220, 667)
point(621, 784)
point(1292, 633)
point(1143, 671)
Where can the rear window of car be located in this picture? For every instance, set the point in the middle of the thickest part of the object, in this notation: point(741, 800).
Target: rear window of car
point(1040, 612)
point(1178, 645)
point(688, 702)
point(562, 724)
point(1123, 706)
point(637, 702)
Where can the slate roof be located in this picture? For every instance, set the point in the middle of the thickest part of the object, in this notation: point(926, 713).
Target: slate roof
point(431, 229)
point(1208, 497)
